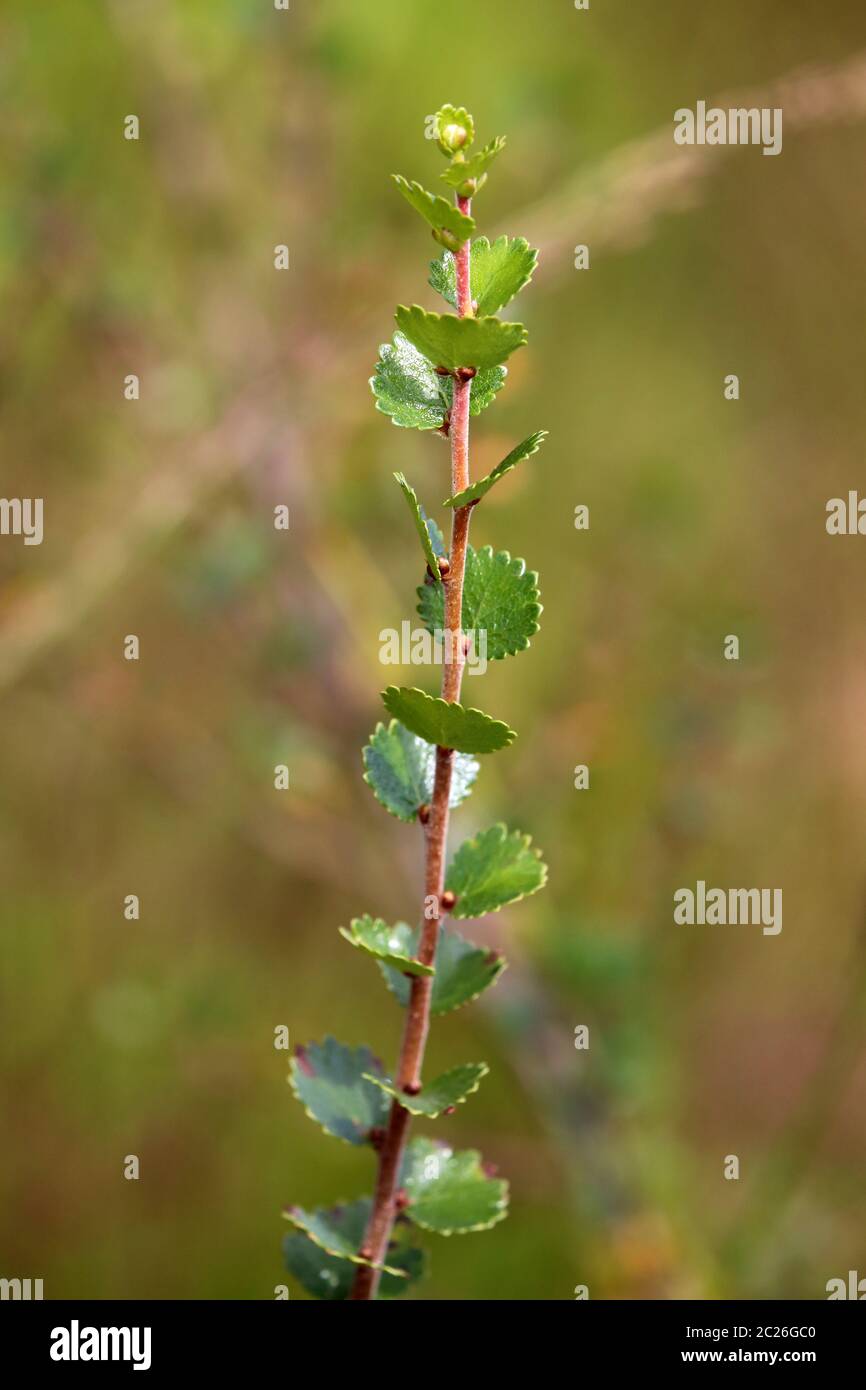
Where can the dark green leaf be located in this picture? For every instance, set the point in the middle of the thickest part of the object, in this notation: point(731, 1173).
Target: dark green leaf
point(328, 1080)
point(443, 1093)
point(493, 869)
point(500, 598)
point(400, 768)
point(477, 490)
point(444, 724)
point(330, 1277)
point(442, 215)
point(452, 342)
point(449, 1192)
point(476, 166)
point(420, 525)
point(498, 271)
point(374, 936)
point(463, 971)
point(332, 1232)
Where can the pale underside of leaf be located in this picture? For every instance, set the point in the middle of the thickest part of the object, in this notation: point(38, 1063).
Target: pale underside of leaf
point(385, 943)
point(476, 491)
point(415, 396)
point(400, 769)
point(493, 870)
point(443, 1093)
point(446, 724)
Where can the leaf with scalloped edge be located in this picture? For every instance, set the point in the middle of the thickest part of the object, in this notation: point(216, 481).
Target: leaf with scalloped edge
point(441, 1094)
point(415, 396)
point(443, 216)
point(493, 869)
point(500, 603)
point(498, 271)
point(407, 388)
point(449, 341)
point(328, 1080)
point(377, 939)
point(463, 970)
point(330, 1277)
point(446, 724)
point(476, 166)
point(450, 1192)
point(401, 767)
point(476, 491)
point(420, 526)
point(326, 1228)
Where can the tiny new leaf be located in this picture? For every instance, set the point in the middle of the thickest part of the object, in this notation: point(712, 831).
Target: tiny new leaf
point(494, 869)
point(441, 1094)
point(442, 215)
point(452, 342)
point(421, 525)
point(498, 271)
point(476, 491)
point(449, 121)
point(449, 1192)
point(328, 1080)
point(400, 769)
point(386, 944)
point(446, 724)
point(463, 971)
point(500, 598)
point(476, 166)
point(330, 1277)
point(327, 1228)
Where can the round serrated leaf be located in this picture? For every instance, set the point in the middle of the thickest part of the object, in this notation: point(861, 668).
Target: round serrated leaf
point(328, 1080)
point(329, 1230)
point(500, 603)
point(330, 1277)
point(493, 869)
point(445, 723)
point(452, 342)
point(401, 767)
point(498, 271)
point(441, 1094)
point(449, 1192)
point(385, 943)
point(407, 388)
point(463, 970)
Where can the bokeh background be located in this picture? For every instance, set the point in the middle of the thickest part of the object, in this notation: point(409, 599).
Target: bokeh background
point(707, 518)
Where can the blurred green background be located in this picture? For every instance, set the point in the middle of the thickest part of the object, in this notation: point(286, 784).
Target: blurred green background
point(257, 647)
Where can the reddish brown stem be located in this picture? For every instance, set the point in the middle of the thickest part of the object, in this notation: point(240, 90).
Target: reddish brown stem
point(417, 1022)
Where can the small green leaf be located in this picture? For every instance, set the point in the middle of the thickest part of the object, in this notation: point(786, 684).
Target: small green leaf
point(437, 540)
point(498, 271)
point(449, 1192)
point(494, 869)
point(463, 971)
point(420, 525)
point(328, 1080)
point(415, 396)
point(476, 491)
point(442, 215)
point(500, 598)
point(455, 128)
point(328, 1229)
point(401, 767)
point(446, 1091)
point(374, 936)
point(476, 166)
point(448, 725)
point(407, 388)
point(330, 1277)
point(452, 342)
